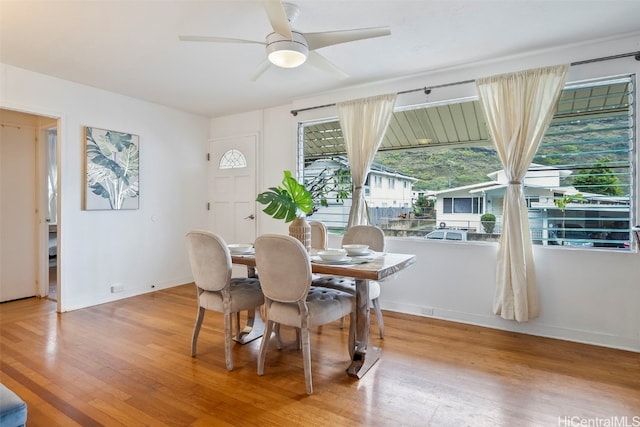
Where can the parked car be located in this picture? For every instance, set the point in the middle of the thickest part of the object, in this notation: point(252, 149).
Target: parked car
point(574, 235)
point(446, 234)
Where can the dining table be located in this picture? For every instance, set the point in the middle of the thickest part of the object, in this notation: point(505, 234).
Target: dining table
point(375, 266)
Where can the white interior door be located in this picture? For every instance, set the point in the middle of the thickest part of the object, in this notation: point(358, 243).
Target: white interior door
point(18, 231)
point(232, 187)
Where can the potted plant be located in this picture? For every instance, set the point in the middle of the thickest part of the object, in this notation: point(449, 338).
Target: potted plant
point(291, 202)
point(288, 202)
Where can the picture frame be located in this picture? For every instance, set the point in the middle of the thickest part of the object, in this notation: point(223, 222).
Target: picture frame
point(111, 170)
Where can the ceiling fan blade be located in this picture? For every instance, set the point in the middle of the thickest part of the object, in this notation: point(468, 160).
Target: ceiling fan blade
point(330, 38)
point(322, 63)
point(278, 18)
point(260, 70)
point(216, 40)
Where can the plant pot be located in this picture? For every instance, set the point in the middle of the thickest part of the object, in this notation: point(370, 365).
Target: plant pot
point(301, 230)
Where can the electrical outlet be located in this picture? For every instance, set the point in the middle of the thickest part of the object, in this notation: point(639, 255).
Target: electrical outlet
point(427, 311)
point(117, 288)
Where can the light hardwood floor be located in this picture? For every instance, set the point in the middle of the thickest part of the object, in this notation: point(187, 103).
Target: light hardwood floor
point(127, 363)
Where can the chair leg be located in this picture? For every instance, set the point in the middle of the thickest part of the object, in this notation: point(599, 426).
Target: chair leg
point(228, 357)
point(306, 358)
point(196, 330)
point(376, 306)
point(237, 324)
point(263, 346)
point(278, 336)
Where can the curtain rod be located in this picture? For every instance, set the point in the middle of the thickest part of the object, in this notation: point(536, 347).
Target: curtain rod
point(427, 89)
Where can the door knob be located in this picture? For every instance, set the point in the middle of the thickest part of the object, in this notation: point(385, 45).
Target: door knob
point(250, 217)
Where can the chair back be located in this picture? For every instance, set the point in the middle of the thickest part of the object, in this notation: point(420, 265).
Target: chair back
point(365, 235)
point(285, 268)
point(318, 235)
point(210, 260)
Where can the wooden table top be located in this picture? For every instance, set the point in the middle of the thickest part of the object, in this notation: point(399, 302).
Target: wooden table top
point(380, 265)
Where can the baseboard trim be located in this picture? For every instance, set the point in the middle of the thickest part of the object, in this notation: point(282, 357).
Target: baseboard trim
point(534, 327)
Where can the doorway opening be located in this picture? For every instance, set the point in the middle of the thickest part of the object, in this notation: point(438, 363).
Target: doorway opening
point(51, 166)
point(29, 214)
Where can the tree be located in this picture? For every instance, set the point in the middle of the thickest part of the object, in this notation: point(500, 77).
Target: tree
point(488, 221)
point(329, 183)
point(422, 204)
point(599, 179)
point(563, 202)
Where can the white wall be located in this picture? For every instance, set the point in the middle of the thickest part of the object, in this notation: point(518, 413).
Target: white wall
point(591, 296)
point(136, 248)
point(586, 295)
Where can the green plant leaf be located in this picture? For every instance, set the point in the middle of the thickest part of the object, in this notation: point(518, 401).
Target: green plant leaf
point(287, 201)
point(300, 195)
point(279, 203)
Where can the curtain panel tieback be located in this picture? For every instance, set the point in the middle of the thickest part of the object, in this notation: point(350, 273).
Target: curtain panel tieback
point(530, 97)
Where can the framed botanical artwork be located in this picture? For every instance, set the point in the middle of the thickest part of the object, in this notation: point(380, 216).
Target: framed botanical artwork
point(111, 170)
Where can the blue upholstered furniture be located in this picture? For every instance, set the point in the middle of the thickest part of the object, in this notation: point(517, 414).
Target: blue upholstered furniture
point(13, 410)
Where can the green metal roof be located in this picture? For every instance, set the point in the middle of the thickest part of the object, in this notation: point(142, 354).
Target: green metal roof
point(461, 123)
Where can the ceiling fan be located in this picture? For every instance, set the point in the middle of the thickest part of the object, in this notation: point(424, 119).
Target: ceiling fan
point(288, 48)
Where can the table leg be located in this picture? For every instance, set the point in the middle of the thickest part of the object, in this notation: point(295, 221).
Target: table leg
point(254, 328)
point(364, 356)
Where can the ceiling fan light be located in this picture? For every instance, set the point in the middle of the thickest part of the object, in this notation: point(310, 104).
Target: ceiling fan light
point(287, 58)
point(287, 53)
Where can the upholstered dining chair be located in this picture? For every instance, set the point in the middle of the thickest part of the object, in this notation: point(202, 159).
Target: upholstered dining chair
point(285, 277)
point(363, 235)
point(318, 235)
point(217, 291)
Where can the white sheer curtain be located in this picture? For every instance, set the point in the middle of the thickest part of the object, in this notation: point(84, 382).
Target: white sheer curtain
point(518, 108)
point(364, 123)
point(52, 142)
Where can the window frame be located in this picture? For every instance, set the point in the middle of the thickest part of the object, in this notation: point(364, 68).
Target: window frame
point(464, 92)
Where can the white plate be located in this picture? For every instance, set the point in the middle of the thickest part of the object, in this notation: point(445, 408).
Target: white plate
point(356, 249)
point(240, 249)
point(250, 252)
point(332, 255)
point(364, 254)
point(318, 260)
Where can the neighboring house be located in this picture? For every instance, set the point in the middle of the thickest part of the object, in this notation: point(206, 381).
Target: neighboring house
point(597, 215)
point(383, 188)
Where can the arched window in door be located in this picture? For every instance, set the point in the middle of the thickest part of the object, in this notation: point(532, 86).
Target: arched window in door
point(232, 159)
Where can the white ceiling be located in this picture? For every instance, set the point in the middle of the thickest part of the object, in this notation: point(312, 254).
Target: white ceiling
point(132, 47)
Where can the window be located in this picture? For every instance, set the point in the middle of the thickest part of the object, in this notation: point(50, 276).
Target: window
point(392, 183)
point(578, 189)
point(232, 159)
point(462, 205)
